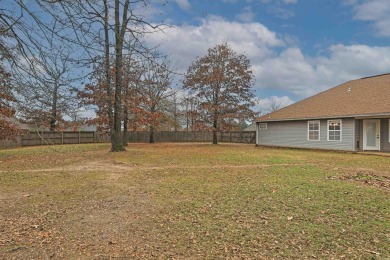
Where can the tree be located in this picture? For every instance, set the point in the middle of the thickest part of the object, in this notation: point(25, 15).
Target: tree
point(7, 129)
point(94, 95)
point(222, 83)
point(192, 120)
point(45, 86)
point(154, 91)
point(43, 68)
point(274, 105)
point(145, 95)
point(96, 30)
point(133, 114)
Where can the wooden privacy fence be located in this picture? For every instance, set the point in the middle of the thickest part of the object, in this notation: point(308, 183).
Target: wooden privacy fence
point(68, 137)
point(238, 137)
point(170, 136)
point(183, 136)
point(82, 137)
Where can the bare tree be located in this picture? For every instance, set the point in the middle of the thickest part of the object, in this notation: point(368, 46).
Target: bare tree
point(45, 86)
point(8, 130)
point(41, 71)
point(125, 25)
point(273, 105)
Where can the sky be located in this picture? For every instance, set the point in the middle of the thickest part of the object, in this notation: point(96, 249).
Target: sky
point(297, 48)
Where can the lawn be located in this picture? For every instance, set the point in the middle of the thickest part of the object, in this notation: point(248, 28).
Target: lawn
point(192, 201)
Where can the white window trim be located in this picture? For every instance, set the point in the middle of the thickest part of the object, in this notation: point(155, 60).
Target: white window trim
point(389, 130)
point(341, 129)
point(266, 126)
point(319, 130)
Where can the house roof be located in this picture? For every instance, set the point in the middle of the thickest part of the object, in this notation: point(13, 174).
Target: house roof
point(364, 97)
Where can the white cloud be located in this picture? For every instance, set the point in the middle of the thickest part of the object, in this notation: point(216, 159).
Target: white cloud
point(372, 10)
point(266, 105)
point(281, 12)
point(356, 60)
point(188, 41)
point(375, 11)
point(278, 64)
point(305, 76)
point(183, 4)
point(246, 15)
point(290, 70)
point(280, 8)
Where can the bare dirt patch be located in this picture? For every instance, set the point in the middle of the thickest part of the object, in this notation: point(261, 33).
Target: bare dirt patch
point(114, 166)
point(370, 178)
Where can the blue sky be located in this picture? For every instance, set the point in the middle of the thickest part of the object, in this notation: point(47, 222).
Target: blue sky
point(297, 47)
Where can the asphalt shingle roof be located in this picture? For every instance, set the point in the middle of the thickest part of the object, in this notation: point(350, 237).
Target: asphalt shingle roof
point(362, 97)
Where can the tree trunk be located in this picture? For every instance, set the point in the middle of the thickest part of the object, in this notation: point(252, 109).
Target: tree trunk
point(215, 127)
point(119, 34)
point(125, 137)
point(216, 115)
point(151, 134)
point(175, 113)
point(53, 119)
point(108, 77)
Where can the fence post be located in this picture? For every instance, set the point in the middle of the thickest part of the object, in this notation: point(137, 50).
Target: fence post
point(79, 137)
point(62, 137)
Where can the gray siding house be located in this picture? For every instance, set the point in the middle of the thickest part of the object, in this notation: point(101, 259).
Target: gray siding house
point(354, 116)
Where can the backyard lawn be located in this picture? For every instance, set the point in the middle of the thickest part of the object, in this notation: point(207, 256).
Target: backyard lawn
point(192, 201)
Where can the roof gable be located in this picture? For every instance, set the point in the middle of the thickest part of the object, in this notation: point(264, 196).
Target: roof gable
point(362, 97)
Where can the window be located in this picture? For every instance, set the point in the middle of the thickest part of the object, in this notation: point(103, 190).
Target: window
point(334, 130)
point(313, 130)
point(263, 126)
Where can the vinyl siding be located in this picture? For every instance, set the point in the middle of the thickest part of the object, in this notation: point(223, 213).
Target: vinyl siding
point(385, 142)
point(294, 134)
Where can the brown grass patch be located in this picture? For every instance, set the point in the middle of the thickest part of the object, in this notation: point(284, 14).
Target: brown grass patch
point(367, 177)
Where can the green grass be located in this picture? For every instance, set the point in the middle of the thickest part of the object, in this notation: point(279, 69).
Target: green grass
point(195, 201)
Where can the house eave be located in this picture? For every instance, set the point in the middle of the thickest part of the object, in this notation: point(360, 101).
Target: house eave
point(357, 116)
